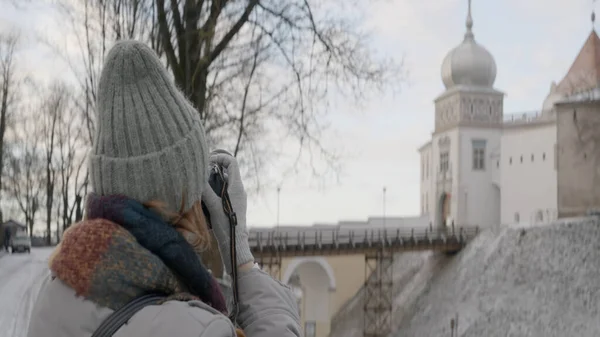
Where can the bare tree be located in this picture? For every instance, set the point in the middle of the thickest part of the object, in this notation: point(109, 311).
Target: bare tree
point(254, 69)
point(248, 66)
point(71, 158)
point(25, 171)
point(52, 108)
point(8, 91)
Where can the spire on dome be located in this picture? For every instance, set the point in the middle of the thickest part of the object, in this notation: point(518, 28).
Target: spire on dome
point(593, 15)
point(469, 34)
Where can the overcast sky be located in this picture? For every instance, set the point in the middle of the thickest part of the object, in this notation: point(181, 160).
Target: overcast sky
point(533, 42)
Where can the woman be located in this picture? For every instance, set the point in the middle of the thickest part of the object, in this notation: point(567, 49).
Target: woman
point(144, 223)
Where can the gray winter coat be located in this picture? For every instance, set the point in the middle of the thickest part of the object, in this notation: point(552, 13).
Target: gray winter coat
point(267, 309)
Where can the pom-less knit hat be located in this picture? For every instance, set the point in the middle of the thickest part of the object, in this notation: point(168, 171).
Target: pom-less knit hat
point(150, 142)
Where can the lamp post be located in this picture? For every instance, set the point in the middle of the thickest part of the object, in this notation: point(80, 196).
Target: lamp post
point(278, 200)
point(384, 215)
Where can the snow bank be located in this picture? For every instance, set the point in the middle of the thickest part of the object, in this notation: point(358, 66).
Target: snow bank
point(538, 281)
point(412, 274)
point(543, 280)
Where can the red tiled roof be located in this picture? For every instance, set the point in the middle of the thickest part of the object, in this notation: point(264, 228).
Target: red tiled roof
point(584, 73)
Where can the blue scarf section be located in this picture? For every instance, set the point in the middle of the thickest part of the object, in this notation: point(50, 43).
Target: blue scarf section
point(162, 240)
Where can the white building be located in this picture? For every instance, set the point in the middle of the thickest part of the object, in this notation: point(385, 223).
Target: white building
point(482, 167)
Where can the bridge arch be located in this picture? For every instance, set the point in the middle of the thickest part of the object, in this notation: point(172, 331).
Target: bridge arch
point(298, 261)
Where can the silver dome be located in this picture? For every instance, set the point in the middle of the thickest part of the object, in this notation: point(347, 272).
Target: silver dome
point(469, 64)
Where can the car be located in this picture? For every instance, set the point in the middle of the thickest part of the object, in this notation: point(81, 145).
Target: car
point(20, 244)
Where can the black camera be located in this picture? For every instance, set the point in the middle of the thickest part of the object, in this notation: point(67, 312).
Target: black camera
point(217, 180)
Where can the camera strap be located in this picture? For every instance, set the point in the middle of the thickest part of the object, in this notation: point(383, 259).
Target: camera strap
point(218, 183)
point(232, 217)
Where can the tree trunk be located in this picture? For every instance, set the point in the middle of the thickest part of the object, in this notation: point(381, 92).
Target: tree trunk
point(49, 201)
point(78, 212)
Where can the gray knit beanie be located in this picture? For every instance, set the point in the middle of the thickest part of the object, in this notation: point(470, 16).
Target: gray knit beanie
point(150, 142)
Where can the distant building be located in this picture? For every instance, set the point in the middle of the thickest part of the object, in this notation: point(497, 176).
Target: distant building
point(482, 167)
point(13, 226)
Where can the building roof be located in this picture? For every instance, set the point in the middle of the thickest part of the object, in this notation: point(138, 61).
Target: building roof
point(584, 73)
point(370, 223)
point(13, 223)
point(424, 146)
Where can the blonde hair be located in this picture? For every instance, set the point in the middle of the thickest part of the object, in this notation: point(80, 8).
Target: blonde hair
point(191, 223)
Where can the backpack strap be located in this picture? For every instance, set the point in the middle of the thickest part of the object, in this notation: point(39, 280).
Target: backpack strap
point(118, 318)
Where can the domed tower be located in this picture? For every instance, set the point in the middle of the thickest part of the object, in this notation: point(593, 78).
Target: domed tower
point(465, 146)
point(468, 73)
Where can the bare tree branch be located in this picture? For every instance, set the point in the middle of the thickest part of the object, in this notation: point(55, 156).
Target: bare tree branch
point(8, 92)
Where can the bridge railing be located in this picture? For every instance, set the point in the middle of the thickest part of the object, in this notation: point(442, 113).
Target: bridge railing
point(333, 238)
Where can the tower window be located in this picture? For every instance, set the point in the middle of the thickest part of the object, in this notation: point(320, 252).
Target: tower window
point(510, 161)
point(444, 161)
point(544, 156)
point(471, 109)
point(532, 157)
point(490, 109)
point(479, 154)
point(517, 217)
point(521, 159)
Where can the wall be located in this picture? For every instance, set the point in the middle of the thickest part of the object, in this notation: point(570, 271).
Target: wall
point(321, 301)
point(473, 106)
point(444, 183)
point(463, 115)
point(479, 198)
point(530, 185)
point(578, 159)
point(426, 178)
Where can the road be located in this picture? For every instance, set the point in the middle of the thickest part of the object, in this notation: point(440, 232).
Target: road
point(21, 277)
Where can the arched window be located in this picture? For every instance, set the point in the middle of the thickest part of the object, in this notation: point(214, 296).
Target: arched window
point(539, 216)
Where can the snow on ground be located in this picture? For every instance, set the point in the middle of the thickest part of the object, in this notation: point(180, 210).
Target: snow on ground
point(531, 281)
point(21, 276)
point(541, 281)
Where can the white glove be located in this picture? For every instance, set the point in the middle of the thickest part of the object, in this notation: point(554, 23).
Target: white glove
point(220, 221)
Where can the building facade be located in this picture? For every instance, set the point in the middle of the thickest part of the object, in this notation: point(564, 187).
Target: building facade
point(482, 167)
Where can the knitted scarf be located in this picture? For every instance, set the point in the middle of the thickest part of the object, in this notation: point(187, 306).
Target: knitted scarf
point(124, 250)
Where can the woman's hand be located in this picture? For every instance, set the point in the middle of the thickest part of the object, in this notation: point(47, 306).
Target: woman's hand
point(218, 218)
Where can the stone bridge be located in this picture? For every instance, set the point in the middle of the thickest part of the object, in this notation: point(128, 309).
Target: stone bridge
point(327, 265)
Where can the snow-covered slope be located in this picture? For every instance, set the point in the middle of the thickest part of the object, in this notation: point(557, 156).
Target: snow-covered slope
point(412, 274)
point(536, 281)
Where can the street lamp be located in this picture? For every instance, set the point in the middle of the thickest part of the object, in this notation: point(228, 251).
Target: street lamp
point(384, 191)
point(278, 197)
